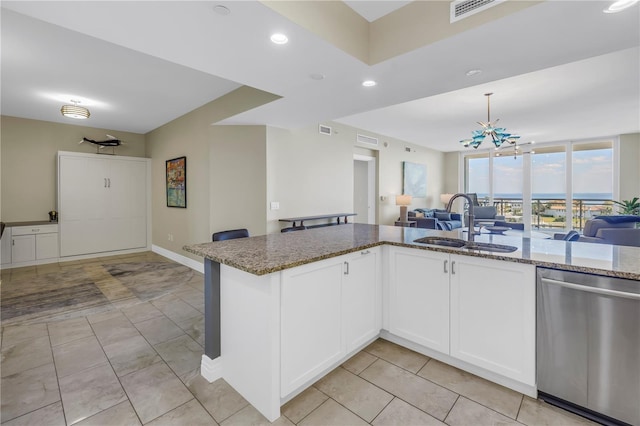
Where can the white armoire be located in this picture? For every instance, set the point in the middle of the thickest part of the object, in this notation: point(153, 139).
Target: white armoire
point(104, 203)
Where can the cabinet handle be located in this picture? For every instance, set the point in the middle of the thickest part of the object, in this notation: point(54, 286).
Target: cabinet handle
point(13, 242)
point(35, 230)
point(365, 252)
point(453, 267)
point(109, 180)
point(105, 182)
point(346, 268)
point(446, 271)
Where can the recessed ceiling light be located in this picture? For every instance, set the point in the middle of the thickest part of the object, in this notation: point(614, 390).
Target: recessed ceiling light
point(221, 10)
point(279, 38)
point(317, 76)
point(473, 72)
point(369, 83)
point(619, 6)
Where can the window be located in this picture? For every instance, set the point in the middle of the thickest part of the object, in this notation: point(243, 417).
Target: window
point(548, 187)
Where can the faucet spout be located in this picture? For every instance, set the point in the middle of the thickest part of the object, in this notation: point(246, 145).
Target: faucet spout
point(471, 215)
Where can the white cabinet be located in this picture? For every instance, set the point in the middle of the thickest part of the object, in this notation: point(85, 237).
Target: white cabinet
point(477, 310)
point(328, 309)
point(493, 316)
point(30, 244)
point(102, 202)
point(5, 246)
point(419, 297)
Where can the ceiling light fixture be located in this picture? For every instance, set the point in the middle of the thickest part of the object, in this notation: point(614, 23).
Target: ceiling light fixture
point(75, 111)
point(221, 10)
point(279, 38)
point(619, 6)
point(498, 135)
point(317, 76)
point(471, 73)
point(369, 83)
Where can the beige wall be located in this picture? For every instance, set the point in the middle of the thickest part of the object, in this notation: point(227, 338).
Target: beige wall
point(29, 162)
point(451, 172)
point(238, 178)
point(629, 166)
point(193, 136)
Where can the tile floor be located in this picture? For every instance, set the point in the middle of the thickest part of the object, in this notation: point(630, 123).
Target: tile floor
point(138, 363)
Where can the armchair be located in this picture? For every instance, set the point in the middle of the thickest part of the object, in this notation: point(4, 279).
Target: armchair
point(609, 231)
point(484, 215)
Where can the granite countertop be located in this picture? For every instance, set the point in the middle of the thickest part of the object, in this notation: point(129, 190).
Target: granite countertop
point(31, 223)
point(275, 252)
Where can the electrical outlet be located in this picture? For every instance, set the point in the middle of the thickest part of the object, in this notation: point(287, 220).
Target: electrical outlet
point(170, 237)
point(275, 205)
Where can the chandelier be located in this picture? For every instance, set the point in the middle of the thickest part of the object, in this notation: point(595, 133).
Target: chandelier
point(498, 135)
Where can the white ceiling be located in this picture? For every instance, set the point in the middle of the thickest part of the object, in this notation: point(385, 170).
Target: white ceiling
point(559, 70)
point(372, 10)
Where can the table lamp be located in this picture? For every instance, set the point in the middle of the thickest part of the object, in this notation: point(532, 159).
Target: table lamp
point(403, 201)
point(444, 198)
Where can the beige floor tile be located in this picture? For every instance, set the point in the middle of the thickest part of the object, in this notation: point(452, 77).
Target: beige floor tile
point(250, 416)
point(359, 362)
point(332, 413)
point(176, 310)
point(51, 415)
point(90, 391)
point(395, 354)
point(421, 393)
point(78, 355)
point(182, 354)
point(121, 414)
point(466, 412)
point(300, 406)
point(218, 398)
point(154, 391)
point(132, 354)
point(141, 312)
point(538, 413)
point(113, 330)
point(62, 332)
point(356, 394)
point(191, 413)
point(399, 413)
point(24, 355)
point(494, 396)
point(28, 391)
point(194, 327)
point(159, 330)
point(15, 333)
point(193, 297)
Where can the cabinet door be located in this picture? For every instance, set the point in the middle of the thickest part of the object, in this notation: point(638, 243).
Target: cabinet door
point(361, 308)
point(310, 322)
point(419, 297)
point(493, 316)
point(46, 246)
point(23, 248)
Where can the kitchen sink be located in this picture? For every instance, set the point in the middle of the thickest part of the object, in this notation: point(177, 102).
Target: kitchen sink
point(470, 245)
point(440, 241)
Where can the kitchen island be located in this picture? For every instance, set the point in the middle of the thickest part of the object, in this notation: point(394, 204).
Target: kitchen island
point(282, 310)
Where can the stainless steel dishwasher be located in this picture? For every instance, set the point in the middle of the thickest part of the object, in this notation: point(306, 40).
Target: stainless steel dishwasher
point(588, 345)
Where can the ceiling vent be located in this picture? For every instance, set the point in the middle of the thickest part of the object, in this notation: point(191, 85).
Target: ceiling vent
point(324, 130)
point(367, 139)
point(461, 9)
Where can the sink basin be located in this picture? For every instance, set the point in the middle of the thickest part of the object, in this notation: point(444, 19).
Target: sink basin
point(499, 248)
point(453, 242)
point(440, 241)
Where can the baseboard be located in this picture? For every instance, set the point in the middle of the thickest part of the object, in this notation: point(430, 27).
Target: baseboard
point(183, 260)
point(211, 369)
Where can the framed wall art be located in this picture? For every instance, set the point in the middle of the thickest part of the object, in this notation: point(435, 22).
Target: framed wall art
point(177, 182)
point(414, 180)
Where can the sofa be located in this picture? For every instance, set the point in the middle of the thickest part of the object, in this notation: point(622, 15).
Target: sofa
point(484, 215)
point(436, 219)
point(616, 230)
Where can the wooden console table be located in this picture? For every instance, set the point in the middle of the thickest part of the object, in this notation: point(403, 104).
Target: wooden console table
point(337, 216)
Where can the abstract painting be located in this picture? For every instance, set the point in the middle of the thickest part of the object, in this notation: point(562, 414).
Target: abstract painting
point(414, 179)
point(177, 182)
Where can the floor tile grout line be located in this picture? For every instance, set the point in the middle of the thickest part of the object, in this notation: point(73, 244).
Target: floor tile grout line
point(55, 370)
point(520, 407)
point(384, 408)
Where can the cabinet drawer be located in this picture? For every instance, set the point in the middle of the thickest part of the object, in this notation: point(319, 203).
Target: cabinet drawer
point(37, 229)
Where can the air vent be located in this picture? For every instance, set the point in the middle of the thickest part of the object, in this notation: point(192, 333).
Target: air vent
point(367, 139)
point(324, 130)
point(407, 149)
point(461, 9)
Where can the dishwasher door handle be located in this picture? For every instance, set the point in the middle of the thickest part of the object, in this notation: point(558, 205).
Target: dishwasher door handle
point(604, 291)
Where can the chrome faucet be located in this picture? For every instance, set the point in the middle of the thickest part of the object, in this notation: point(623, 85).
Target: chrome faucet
point(471, 217)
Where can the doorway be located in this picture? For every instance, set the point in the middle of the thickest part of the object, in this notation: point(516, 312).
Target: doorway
point(364, 188)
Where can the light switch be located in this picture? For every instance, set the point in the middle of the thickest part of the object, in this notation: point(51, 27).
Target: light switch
point(275, 205)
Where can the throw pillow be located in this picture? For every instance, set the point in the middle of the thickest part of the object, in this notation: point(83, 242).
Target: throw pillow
point(419, 214)
point(443, 216)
